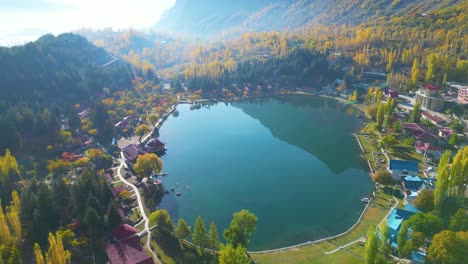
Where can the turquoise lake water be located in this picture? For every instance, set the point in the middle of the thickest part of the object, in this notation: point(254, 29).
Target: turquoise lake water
point(292, 161)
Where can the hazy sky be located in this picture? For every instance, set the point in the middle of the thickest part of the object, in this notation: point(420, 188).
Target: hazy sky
point(26, 20)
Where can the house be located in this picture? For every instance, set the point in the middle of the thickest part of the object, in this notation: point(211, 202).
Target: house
point(396, 218)
point(432, 118)
point(413, 183)
point(429, 96)
point(126, 248)
point(401, 168)
point(390, 93)
point(131, 152)
point(445, 132)
point(155, 145)
point(424, 148)
point(419, 132)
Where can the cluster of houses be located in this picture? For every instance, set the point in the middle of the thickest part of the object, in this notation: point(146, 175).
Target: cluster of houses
point(406, 172)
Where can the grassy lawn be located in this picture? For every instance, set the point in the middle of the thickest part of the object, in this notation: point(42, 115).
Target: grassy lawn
point(308, 254)
point(369, 143)
point(315, 253)
point(164, 258)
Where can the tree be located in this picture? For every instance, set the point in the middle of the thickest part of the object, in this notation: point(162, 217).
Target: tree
point(213, 239)
point(380, 114)
point(182, 230)
point(459, 222)
point(141, 130)
point(401, 238)
point(152, 119)
point(453, 140)
point(13, 216)
point(459, 174)
point(162, 219)
point(415, 71)
point(5, 234)
point(384, 244)
point(241, 228)
point(230, 255)
point(38, 254)
point(57, 253)
point(425, 200)
point(383, 177)
point(397, 127)
point(199, 234)
point(426, 223)
point(457, 126)
point(388, 141)
point(448, 247)
point(416, 114)
point(147, 163)
point(371, 111)
point(442, 185)
point(372, 246)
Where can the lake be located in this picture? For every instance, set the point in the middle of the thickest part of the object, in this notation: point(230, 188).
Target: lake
point(292, 161)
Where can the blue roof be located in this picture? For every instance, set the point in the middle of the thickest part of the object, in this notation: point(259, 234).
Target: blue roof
point(408, 165)
point(411, 208)
point(413, 178)
point(397, 216)
point(418, 257)
point(394, 221)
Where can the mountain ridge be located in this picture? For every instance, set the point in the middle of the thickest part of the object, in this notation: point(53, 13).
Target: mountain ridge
point(209, 19)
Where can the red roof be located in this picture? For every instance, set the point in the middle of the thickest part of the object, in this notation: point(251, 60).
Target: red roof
point(419, 131)
point(127, 249)
point(124, 231)
point(426, 146)
point(127, 252)
point(433, 118)
point(446, 131)
point(430, 87)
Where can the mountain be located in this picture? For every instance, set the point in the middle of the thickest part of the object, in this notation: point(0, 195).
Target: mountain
point(64, 67)
point(214, 19)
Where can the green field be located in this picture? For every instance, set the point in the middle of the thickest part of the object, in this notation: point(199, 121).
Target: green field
point(316, 253)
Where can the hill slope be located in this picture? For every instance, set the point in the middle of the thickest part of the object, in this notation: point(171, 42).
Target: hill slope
point(66, 66)
point(213, 19)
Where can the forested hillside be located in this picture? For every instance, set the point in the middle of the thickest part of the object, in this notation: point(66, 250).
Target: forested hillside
point(214, 19)
point(62, 67)
point(40, 81)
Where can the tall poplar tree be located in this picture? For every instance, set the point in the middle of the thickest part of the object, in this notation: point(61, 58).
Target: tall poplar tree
point(372, 246)
point(442, 185)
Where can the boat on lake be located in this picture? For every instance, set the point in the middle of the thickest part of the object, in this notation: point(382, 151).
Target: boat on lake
point(365, 200)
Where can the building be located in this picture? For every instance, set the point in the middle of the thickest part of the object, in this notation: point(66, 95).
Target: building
point(445, 132)
point(432, 118)
point(126, 248)
point(420, 133)
point(429, 96)
point(463, 95)
point(413, 183)
point(131, 152)
point(396, 218)
point(402, 168)
point(390, 93)
point(453, 88)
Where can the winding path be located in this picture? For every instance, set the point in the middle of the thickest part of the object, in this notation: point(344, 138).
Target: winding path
point(140, 206)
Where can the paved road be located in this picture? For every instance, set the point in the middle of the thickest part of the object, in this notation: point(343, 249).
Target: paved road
point(140, 206)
